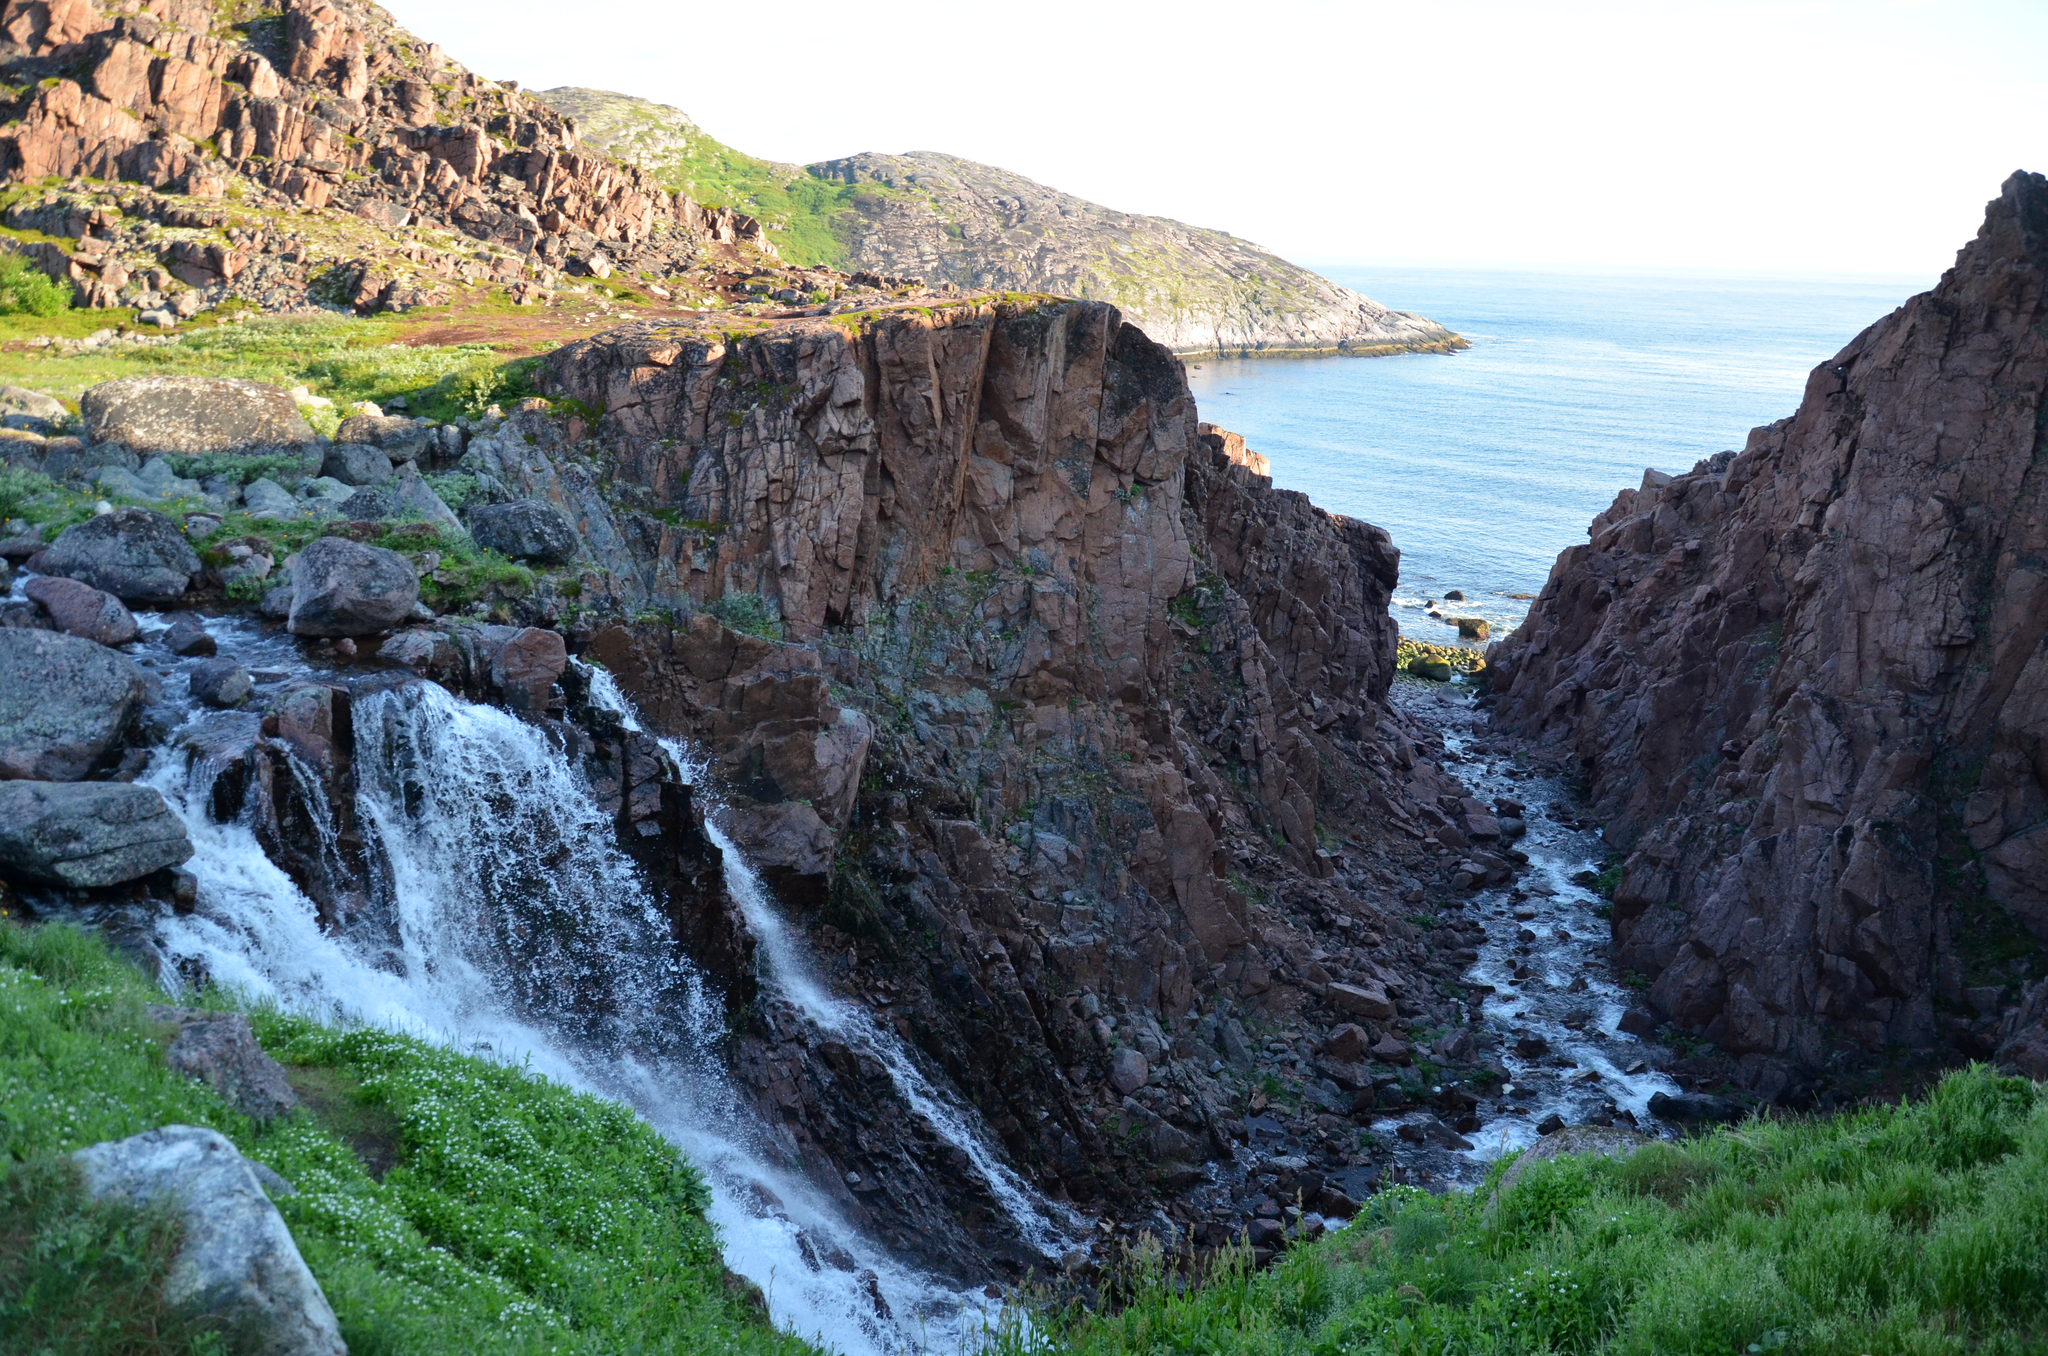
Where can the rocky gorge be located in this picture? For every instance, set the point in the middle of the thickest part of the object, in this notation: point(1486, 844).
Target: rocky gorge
point(1802, 682)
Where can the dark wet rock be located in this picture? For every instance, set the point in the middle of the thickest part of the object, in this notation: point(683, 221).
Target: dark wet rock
point(236, 1259)
point(63, 703)
point(1636, 1022)
point(138, 555)
point(1550, 1124)
point(790, 846)
point(79, 609)
point(192, 416)
point(527, 668)
point(87, 834)
point(220, 1050)
point(525, 529)
point(344, 588)
point(221, 683)
point(188, 638)
point(1695, 1106)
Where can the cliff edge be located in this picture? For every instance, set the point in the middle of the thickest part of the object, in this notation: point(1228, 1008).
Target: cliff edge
point(1809, 686)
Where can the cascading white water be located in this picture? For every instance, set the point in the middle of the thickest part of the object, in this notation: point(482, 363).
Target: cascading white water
point(526, 934)
point(786, 971)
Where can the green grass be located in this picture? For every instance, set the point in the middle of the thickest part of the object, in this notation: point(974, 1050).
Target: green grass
point(27, 290)
point(340, 357)
point(509, 1214)
point(1914, 1229)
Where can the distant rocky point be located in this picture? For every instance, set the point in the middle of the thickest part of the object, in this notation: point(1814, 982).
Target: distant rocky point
point(945, 219)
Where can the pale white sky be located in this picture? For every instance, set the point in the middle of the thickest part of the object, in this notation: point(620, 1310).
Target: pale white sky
point(1826, 136)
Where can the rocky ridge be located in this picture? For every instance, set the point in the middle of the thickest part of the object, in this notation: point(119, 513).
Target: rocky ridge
point(1806, 684)
point(943, 218)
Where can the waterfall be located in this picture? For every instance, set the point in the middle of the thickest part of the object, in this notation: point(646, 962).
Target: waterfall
point(525, 934)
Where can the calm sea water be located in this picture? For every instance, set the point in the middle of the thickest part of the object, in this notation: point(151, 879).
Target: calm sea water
point(1485, 464)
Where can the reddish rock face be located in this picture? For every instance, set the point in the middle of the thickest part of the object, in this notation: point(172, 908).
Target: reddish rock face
point(1810, 687)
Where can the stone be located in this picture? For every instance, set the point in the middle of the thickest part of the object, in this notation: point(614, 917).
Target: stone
point(1636, 1022)
point(324, 495)
point(1348, 1042)
point(265, 498)
point(188, 638)
point(1436, 670)
point(356, 464)
point(1471, 628)
point(412, 497)
point(82, 610)
point(1695, 1106)
point(236, 1260)
point(1367, 1001)
point(63, 703)
point(1550, 1124)
point(370, 504)
point(1798, 643)
point(525, 529)
point(344, 588)
point(1266, 1233)
point(1596, 1141)
point(138, 555)
point(192, 416)
point(527, 668)
point(221, 683)
point(87, 835)
point(220, 1050)
point(399, 438)
point(1128, 1070)
point(33, 411)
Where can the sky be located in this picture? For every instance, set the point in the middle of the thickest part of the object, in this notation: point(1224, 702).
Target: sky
point(1798, 138)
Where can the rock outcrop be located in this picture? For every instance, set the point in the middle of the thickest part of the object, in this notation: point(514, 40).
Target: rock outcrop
point(1062, 727)
point(1809, 687)
point(87, 835)
point(344, 588)
point(944, 219)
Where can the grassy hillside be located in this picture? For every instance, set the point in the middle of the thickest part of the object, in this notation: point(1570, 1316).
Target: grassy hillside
point(798, 209)
point(445, 1203)
point(1920, 1229)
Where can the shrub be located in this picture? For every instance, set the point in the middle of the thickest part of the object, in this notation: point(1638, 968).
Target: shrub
point(26, 290)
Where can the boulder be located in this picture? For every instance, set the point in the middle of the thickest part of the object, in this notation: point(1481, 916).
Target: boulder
point(1599, 1141)
point(370, 504)
point(63, 703)
point(411, 496)
point(188, 638)
point(399, 438)
point(324, 495)
point(192, 416)
point(220, 1050)
point(1367, 1001)
point(791, 847)
point(87, 834)
point(265, 498)
point(1695, 1106)
point(525, 529)
point(1348, 1043)
point(32, 411)
point(1129, 1070)
point(356, 464)
point(1471, 628)
point(527, 668)
point(138, 555)
point(236, 1260)
point(222, 683)
point(82, 610)
point(344, 588)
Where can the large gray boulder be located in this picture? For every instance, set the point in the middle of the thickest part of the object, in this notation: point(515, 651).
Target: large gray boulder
point(265, 498)
point(236, 1260)
point(137, 554)
point(525, 529)
point(356, 464)
point(344, 588)
point(412, 496)
point(87, 834)
point(192, 416)
point(63, 703)
point(31, 411)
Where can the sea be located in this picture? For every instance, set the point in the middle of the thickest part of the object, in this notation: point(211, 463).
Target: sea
point(1485, 464)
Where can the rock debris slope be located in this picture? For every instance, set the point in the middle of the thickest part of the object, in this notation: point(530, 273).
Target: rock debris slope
point(943, 218)
point(1809, 686)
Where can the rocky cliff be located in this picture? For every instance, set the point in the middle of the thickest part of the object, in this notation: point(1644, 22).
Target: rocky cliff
point(1809, 688)
point(445, 178)
point(946, 219)
point(1063, 728)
